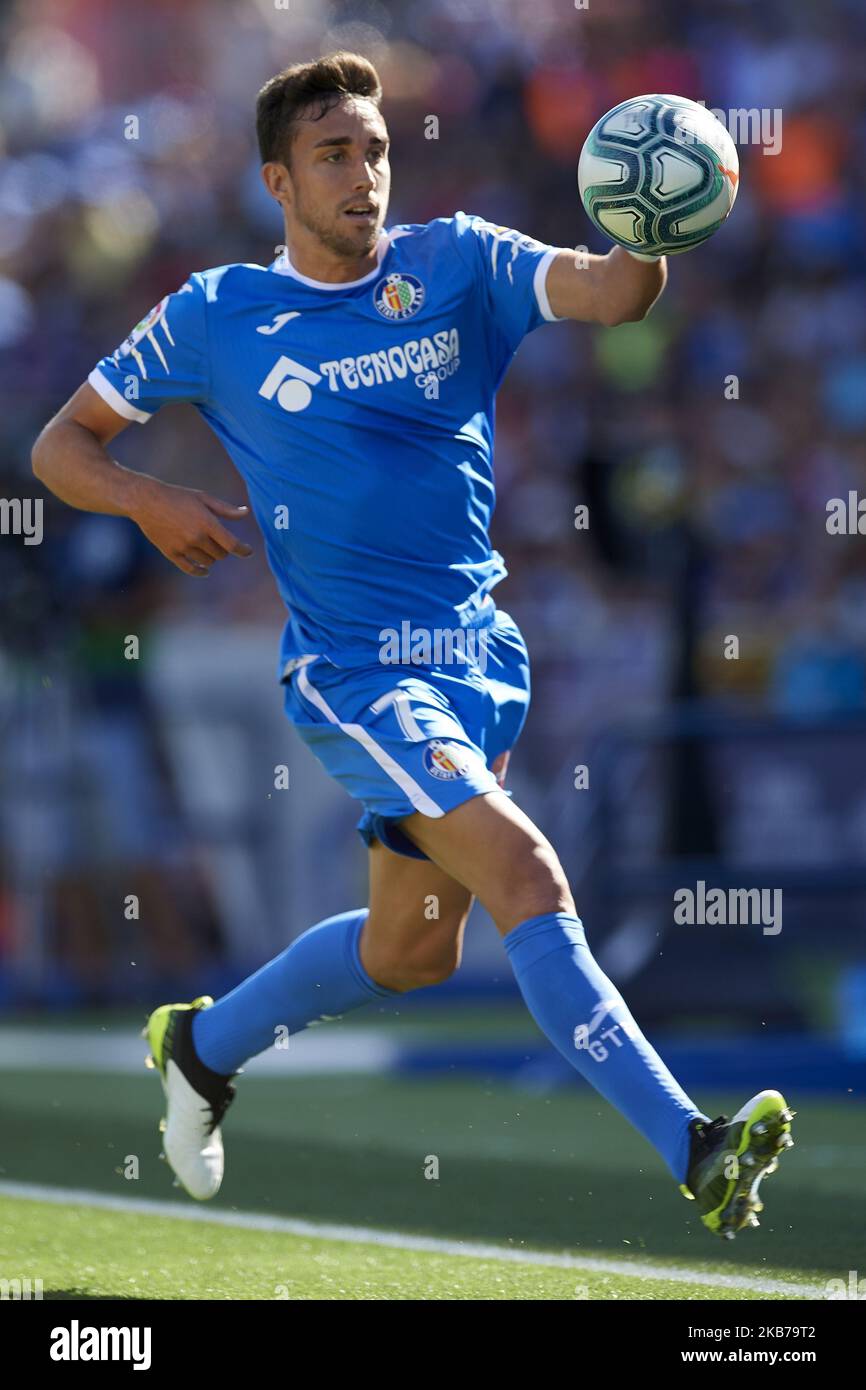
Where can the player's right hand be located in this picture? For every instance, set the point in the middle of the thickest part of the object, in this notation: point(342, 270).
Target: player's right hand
point(183, 523)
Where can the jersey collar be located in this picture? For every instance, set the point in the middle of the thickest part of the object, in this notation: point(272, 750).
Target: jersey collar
point(283, 266)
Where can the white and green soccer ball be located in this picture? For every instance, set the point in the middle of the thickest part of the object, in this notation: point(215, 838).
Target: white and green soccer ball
point(658, 174)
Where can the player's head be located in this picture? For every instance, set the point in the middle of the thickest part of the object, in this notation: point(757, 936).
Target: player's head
point(324, 149)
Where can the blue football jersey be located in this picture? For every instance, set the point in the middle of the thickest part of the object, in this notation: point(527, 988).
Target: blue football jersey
point(360, 416)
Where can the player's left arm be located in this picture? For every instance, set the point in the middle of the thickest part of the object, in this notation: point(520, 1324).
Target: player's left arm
point(612, 289)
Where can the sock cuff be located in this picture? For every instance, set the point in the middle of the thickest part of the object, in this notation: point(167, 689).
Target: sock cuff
point(352, 945)
point(537, 937)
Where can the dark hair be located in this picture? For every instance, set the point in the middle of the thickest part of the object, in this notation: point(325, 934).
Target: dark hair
point(321, 83)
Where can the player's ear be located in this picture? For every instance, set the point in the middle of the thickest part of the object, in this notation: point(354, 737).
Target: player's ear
point(277, 180)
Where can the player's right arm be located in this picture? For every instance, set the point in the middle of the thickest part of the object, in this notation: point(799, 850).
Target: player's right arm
point(71, 458)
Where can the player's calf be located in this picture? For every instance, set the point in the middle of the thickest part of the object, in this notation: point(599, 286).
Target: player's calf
point(413, 935)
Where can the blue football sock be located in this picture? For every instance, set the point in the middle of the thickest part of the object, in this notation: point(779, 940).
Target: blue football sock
point(319, 975)
point(585, 1017)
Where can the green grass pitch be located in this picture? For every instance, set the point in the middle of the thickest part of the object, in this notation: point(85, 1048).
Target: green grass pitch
point(559, 1173)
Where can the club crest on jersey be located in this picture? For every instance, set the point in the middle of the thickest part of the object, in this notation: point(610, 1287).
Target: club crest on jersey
point(446, 761)
point(398, 296)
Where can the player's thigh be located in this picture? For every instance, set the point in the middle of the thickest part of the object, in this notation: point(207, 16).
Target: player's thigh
point(414, 931)
point(490, 846)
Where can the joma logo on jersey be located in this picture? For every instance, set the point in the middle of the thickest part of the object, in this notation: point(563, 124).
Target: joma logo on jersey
point(427, 360)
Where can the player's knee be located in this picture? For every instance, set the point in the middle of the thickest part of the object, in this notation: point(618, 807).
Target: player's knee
point(429, 963)
point(404, 976)
point(535, 887)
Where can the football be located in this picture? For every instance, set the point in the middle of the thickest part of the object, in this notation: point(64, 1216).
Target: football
point(658, 174)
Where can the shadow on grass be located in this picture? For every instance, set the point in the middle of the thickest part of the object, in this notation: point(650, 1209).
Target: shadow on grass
point(80, 1296)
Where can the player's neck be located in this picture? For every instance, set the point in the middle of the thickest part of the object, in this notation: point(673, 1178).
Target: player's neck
point(308, 257)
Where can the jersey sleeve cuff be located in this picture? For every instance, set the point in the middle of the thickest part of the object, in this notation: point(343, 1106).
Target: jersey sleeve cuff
point(110, 394)
point(540, 285)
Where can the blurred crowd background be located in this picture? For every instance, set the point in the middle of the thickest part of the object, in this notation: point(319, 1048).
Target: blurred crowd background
point(144, 845)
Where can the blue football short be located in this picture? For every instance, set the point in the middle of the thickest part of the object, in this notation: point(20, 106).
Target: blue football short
point(406, 738)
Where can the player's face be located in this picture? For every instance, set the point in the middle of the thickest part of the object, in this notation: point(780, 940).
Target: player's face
point(340, 179)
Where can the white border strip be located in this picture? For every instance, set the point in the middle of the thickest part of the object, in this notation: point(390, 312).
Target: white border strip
point(397, 1240)
point(283, 265)
point(539, 284)
point(110, 394)
point(419, 798)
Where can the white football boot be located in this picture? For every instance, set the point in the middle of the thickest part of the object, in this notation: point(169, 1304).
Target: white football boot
point(196, 1099)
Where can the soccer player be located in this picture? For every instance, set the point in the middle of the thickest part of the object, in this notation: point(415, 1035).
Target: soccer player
point(352, 382)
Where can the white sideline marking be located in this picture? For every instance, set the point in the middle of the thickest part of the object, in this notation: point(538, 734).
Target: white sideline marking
point(309, 1053)
point(397, 1240)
